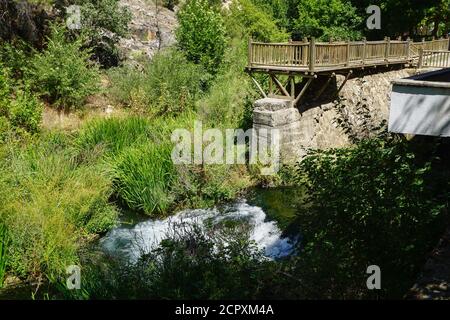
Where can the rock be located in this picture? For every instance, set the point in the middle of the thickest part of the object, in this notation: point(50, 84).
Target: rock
point(152, 28)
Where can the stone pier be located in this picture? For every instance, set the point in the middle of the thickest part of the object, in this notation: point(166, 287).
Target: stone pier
point(271, 113)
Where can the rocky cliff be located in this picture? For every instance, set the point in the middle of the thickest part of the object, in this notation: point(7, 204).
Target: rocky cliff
point(152, 28)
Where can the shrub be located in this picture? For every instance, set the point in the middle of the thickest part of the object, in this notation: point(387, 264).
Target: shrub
point(190, 263)
point(25, 111)
point(62, 74)
point(103, 22)
point(229, 102)
point(201, 34)
point(248, 20)
point(169, 84)
point(20, 111)
point(326, 19)
point(381, 202)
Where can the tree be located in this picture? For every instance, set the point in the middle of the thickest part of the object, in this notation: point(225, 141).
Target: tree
point(439, 16)
point(201, 34)
point(327, 19)
point(63, 74)
point(247, 19)
point(103, 22)
point(398, 18)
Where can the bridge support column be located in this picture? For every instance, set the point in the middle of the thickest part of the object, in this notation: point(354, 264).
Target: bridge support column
point(280, 114)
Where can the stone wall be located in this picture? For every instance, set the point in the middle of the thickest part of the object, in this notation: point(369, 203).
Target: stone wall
point(315, 126)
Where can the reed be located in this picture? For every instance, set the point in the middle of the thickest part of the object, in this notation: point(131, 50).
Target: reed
point(3, 243)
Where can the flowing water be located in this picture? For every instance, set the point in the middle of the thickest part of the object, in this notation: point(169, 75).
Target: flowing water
point(131, 242)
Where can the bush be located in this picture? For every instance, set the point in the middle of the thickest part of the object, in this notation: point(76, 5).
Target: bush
point(201, 34)
point(381, 202)
point(326, 19)
point(20, 111)
point(104, 22)
point(189, 264)
point(248, 20)
point(62, 74)
point(169, 84)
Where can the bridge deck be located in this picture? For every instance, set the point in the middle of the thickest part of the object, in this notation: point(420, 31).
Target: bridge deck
point(311, 57)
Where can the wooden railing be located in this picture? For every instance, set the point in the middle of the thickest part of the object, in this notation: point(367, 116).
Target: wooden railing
point(434, 59)
point(312, 55)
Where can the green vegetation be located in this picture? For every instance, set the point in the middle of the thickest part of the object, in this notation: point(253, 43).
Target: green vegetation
point(3, 248)
point(103, 22)
point(169, 84)
point(194, 264)
point(382, 201)
point(20, 111)
point(325, 19)
point(201, 34)
point(62, 74)
point(51, 204)
point(379, 202)
point(246, 19)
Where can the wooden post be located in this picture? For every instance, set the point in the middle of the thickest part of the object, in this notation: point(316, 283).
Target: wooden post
point(270, 85)
point(259, 87)
point(387, 48)
point(293, 87)
point(348, 53)
point(408, 48)
point(312, 54)
point(250, 51)
point(300, 95)
point(364, 54)
point(321, 91)
point(420, 58)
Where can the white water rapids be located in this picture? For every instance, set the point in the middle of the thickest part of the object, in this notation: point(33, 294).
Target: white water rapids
point(145, 236)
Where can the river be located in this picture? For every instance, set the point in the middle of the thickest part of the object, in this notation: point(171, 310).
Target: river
point(266, 213)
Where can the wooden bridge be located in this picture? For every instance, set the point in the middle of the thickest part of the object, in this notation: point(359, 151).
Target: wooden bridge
point(310, 59)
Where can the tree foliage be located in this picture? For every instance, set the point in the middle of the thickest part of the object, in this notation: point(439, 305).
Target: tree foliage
point(327, 19)
point(382, 202)
point(63, 74)
point(248, 20)
point(103, 22)
point(201, 34)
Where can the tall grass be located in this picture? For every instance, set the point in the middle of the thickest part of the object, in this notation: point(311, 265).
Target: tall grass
point(3, 244)
point(114, 134)
point(51, 205)
point(143, 176)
